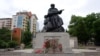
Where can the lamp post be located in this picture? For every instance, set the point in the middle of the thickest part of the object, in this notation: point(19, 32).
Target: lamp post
point(11, 34)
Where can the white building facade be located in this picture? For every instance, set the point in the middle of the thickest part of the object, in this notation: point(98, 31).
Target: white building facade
point(6, 22)
point(21, 19)
point(34, 26)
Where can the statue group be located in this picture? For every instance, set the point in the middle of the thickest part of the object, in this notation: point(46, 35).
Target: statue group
point(53, 22)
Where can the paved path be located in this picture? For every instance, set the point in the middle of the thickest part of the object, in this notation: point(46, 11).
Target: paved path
point(74, 50)
point(83, 50)
point(24, 50)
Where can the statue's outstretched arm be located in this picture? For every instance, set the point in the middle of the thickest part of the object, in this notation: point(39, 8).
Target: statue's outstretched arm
point(54, 13)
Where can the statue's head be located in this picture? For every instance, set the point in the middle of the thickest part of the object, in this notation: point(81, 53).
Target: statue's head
point(52, 5)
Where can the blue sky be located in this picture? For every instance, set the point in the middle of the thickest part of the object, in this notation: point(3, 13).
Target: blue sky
point(40, 8)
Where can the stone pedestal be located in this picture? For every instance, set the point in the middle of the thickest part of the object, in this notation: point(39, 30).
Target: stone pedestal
point(63, 38)
point(73, 42)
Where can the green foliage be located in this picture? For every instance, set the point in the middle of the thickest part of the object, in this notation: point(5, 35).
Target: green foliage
point(3, 44)
point(5, 37)
point(27, 38)
point(77, 28)
point(27, 35)
point(97, 32)
point(29, 46)
point(85, 28)
point(5, 34)
point(12, 44)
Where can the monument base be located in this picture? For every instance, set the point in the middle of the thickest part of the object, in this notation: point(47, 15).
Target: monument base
point(52, 42)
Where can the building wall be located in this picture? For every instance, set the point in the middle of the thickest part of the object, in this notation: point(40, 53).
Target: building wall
point(6, 22)
point(1, 23)
point(14, 22)
point(19, 21)
point(34, 24)
point(16, 35)
point(37, 26)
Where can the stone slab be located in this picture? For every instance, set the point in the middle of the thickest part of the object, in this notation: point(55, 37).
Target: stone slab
point(62, 36)
point(73, 42)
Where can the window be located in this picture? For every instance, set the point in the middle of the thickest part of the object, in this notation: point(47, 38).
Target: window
point(19, 22)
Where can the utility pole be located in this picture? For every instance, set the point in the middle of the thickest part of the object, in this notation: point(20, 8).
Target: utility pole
point(11, 34)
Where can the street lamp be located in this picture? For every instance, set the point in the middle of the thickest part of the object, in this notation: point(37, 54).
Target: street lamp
point(11, 34)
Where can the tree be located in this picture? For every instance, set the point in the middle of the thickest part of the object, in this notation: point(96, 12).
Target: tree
point(12, 44)
point(3, 44)
point(5, 34)
point(78, 28)
point(27, 36)
point(86, 28)
point(72, 25)
point(96, 26)
point(5, 38)
point(89, 20)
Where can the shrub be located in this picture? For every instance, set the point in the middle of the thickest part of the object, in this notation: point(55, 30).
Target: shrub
point(3, 44)
point(12, 44)
point(29, 46)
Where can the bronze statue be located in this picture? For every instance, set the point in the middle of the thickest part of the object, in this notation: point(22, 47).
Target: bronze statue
point(53, 22)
